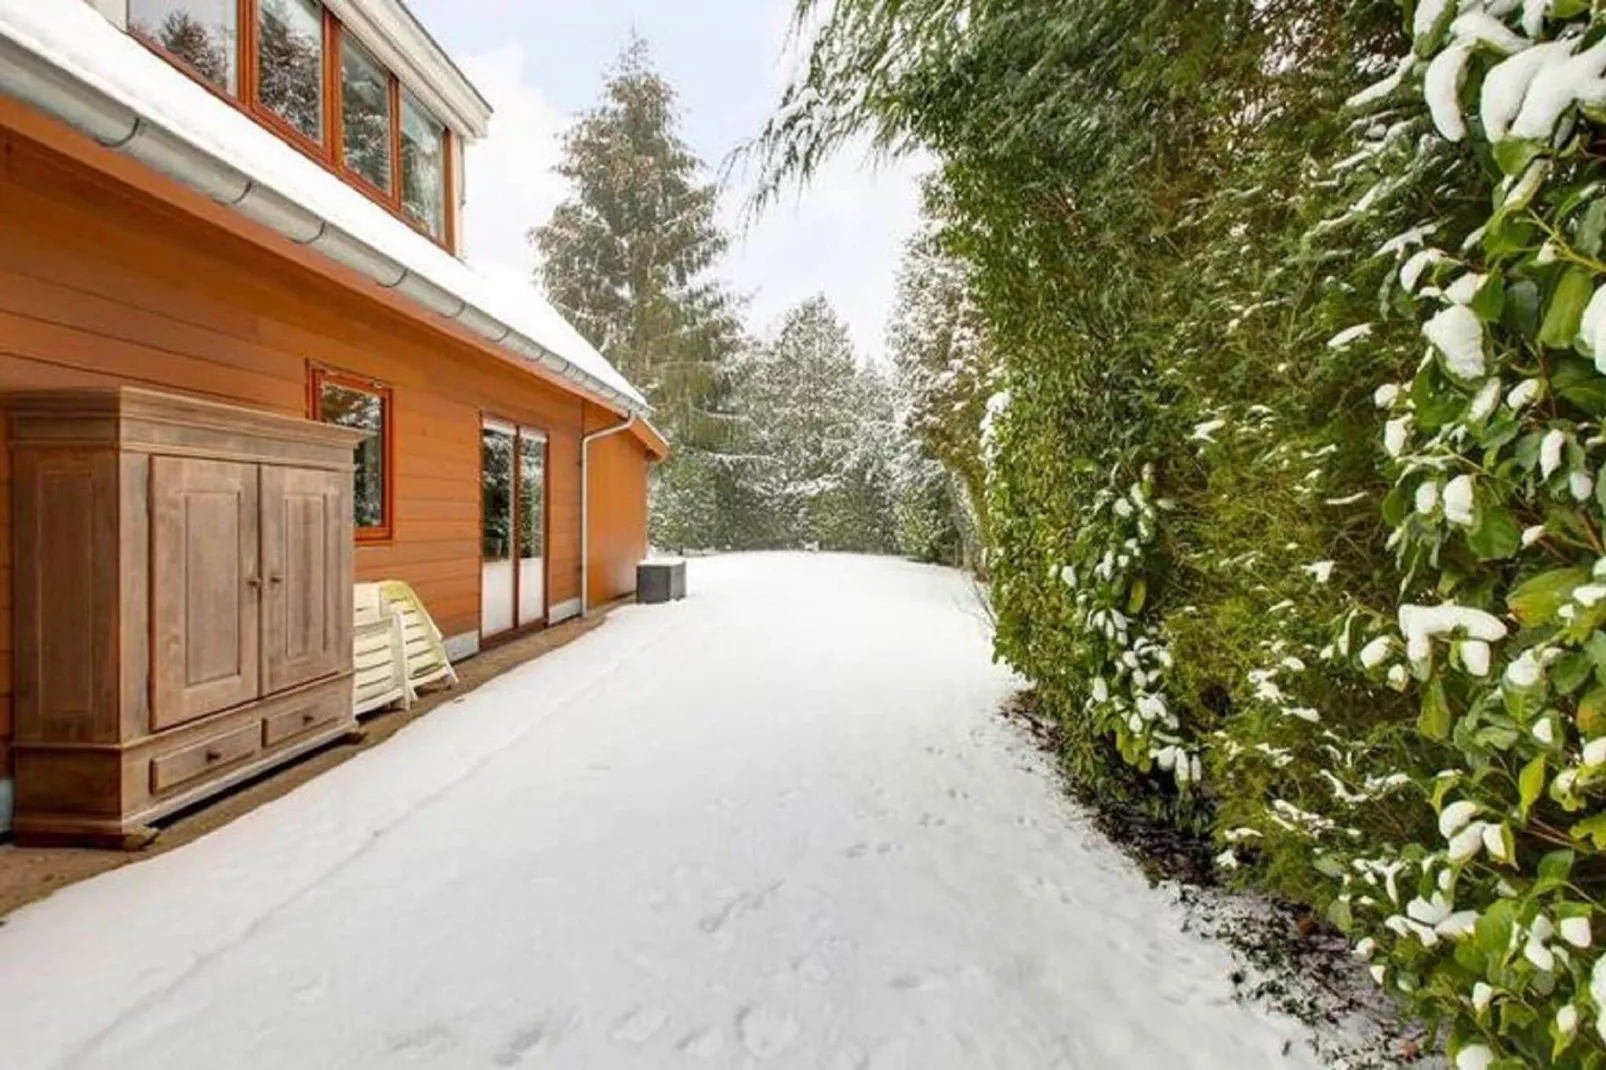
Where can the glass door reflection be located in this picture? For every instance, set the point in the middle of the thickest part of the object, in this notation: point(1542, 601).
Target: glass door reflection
point(531, 506)
point(497, 577)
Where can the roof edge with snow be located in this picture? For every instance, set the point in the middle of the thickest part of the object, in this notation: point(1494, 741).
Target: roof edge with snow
point(66, 60)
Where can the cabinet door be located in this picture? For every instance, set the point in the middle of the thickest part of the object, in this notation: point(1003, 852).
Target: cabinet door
point(205, 587)
point(307, 549)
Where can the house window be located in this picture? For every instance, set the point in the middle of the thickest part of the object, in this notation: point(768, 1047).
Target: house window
point(423, 167)
point(362, 404)
point(290, 63)
point(203, 35)
point(292, 66)
point(365, 115)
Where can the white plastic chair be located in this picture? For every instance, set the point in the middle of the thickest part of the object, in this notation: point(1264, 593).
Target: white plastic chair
point(379, 654)
point(424, 647)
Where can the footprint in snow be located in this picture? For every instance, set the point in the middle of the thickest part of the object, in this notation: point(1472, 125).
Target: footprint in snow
point(746, 903)
point(312, 991)
point(764, 1032)
point(522, 1043)
point(918, 982)
point(421, 1041)
point(704, 1043)
point(639, 1025)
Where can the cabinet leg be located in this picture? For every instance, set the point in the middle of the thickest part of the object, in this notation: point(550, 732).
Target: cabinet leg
point(355, 735)
point(137, 839)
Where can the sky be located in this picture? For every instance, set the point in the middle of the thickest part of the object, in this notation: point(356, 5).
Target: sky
point(539, 62)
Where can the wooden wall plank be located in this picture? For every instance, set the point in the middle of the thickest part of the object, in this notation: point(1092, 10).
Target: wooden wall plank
point(617, 474)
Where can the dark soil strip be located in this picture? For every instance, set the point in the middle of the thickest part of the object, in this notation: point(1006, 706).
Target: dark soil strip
point(1289, 960)
point(30, 873)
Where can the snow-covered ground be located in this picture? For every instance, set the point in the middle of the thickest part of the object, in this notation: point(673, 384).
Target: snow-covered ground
point(778, 824)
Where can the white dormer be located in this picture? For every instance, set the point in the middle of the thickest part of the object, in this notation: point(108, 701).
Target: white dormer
point(357, 85)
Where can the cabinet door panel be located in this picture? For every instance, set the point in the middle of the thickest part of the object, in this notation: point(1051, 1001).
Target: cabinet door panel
point(204, 587)
point(307, 547)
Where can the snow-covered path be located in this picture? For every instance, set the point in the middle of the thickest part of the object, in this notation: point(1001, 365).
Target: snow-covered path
point(778, 824)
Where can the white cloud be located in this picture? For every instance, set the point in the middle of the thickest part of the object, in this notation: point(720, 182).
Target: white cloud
point(512, 184)
point(841, 236)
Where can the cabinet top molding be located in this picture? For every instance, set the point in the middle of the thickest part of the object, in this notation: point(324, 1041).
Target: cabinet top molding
point(150, 421)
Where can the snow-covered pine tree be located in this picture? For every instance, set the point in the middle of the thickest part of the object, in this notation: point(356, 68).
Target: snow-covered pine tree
point(628, 258)
point(824, 429)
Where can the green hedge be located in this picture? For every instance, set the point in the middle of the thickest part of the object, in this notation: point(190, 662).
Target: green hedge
point(1294, 505)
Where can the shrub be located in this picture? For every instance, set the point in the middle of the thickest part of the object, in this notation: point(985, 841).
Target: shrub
point(1293, 498)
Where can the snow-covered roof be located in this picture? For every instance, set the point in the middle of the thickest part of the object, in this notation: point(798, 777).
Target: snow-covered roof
point(72, 62)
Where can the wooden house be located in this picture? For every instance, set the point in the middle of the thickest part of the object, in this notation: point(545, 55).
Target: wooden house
point(259, 202)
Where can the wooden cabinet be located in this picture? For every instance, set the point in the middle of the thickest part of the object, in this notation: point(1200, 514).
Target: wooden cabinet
point(183, 581)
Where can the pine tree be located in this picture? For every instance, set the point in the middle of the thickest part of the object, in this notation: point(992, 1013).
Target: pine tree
point(823, 438)
point(628, 256)
point(628, 259)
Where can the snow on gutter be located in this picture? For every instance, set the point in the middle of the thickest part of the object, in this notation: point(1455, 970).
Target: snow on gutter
point(66, 60)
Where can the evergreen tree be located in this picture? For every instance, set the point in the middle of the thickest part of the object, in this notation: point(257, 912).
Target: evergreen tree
point(628, 256)
point(823, 438)
point(628, 259)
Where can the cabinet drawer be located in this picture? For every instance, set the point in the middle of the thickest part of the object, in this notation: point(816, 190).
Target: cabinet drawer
point(317, 710)
point(200, 759)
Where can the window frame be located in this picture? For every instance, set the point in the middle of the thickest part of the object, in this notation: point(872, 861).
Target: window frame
point(389, 198)
point(330, 152)
point(317, 376)
point(402, 100)
point(184, 65)
point(263, 113)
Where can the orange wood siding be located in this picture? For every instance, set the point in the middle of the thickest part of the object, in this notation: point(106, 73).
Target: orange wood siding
point(617, 474)
point(101, 282)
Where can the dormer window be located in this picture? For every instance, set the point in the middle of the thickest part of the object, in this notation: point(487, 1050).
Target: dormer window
point(293, 66)
point(202, 35)
point(367, 125)
point(290, 64)
point(423, 167)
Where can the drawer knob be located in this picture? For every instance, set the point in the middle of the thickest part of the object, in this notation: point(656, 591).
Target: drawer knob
point(308, 718)
point(213, 754)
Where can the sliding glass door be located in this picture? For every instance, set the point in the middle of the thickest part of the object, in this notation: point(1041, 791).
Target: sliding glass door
point(512, 527)
point(532, 526)
point(497, 581)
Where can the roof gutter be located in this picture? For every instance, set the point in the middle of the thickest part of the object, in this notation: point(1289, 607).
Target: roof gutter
point(109, 122)
point(585, 503)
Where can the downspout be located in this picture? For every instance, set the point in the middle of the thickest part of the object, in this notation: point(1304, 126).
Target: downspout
point(585, 504)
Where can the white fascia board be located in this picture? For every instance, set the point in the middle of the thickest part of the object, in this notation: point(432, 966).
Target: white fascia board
point(401, 42)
